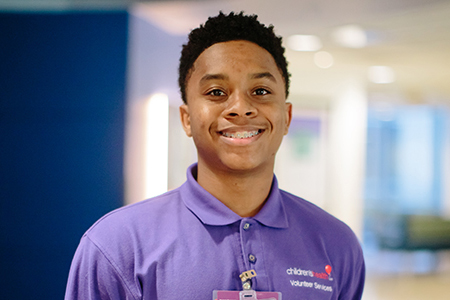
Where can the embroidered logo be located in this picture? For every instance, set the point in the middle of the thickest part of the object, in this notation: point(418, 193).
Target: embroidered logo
point(309, 273)
point(313, 275)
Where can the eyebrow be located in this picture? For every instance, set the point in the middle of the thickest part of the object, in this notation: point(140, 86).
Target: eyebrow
point(209, 77)
point(267, 75)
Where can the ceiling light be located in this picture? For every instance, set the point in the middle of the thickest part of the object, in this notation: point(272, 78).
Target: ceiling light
point(381, 74)
point(300, 42)
point(352, 36)
point(323, 59)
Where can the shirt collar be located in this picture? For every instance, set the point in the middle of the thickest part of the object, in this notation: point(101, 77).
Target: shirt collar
point(212, 211)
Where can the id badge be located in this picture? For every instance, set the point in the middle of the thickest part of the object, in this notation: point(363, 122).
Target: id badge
point(246, 295)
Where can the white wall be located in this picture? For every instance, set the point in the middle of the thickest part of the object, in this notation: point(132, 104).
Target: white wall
point(152, 68)
point(333, 176)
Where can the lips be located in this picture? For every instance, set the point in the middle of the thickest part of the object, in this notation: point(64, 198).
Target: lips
point(243, 134)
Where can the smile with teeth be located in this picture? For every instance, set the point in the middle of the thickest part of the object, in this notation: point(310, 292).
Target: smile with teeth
point(241, 134)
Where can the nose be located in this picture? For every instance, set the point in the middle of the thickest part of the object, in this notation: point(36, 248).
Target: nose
point(239, 105)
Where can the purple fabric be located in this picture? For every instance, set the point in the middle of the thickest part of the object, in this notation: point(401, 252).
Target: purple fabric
point(184, 244)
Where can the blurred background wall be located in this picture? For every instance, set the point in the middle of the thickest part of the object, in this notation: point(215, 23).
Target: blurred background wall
point(89, 112)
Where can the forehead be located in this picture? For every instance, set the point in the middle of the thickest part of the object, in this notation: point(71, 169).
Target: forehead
point(234, 57)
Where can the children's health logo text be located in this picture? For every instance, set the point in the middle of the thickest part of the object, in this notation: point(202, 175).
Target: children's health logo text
point(309, 273)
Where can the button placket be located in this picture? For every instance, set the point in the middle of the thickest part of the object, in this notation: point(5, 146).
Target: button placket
point(249, 242)
point(252, 251)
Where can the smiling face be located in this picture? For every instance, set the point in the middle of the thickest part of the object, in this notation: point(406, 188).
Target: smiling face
point(236, 110)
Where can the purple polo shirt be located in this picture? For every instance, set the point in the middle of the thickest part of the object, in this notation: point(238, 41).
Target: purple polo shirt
point(185, 243)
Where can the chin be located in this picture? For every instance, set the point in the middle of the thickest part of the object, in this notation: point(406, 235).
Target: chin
point(245, 166)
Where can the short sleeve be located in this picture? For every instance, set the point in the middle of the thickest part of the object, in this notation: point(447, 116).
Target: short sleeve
point(354, 284)
point(93, 277)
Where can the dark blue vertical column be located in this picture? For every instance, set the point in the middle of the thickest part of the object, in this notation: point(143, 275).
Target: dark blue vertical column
point(62, 101)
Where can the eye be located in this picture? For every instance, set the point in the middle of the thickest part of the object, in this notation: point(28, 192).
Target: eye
point(216, 93)
point(261, 92)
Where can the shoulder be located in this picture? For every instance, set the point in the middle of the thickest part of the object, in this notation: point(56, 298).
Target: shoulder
point(134, 220)
point(116, 246)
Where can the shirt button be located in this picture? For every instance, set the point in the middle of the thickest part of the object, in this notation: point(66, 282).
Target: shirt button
point(251, 258)
point(246, 226)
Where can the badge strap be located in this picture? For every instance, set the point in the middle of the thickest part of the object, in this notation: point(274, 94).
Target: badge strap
point(246, 279)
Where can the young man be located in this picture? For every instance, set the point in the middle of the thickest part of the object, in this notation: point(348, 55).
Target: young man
point(229, 217)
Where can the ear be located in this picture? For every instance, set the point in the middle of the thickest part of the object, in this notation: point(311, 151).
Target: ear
point(185, 119)
point(288, 107)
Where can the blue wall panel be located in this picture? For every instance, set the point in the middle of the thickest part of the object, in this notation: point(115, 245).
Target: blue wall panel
point(62, 101)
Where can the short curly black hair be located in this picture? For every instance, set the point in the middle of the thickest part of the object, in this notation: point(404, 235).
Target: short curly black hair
point(231, 27)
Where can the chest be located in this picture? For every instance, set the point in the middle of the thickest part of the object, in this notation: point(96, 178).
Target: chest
point(196, 262)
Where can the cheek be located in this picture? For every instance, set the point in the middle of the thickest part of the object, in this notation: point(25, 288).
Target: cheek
point(279, 119)
point(201, 121)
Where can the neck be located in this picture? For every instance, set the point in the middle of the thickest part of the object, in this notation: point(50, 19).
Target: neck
point(242, 192)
